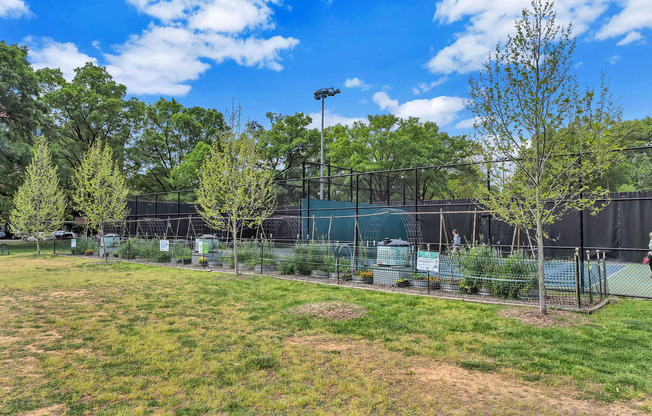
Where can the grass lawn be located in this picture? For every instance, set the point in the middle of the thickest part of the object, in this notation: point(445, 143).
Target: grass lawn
point(81, 337)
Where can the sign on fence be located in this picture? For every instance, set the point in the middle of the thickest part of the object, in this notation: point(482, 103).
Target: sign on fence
point(428, 261)
point(73, 243)
point(200, 246)
point(164, 245)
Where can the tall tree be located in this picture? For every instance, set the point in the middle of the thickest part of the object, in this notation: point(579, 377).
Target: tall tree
point(387, 142)
point(21, 114)
point(91, 108)
point(171, 131)
point(556, 138)
point(288, 141)
point(235, 185)
point(99, 189)
point(39, 203)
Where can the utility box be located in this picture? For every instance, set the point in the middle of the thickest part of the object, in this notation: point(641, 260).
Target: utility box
point(392, 262)
point(393, 252)
point(111, 242)
point(207, 246)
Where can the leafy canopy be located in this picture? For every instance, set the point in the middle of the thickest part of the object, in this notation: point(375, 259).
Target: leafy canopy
point(39, 203)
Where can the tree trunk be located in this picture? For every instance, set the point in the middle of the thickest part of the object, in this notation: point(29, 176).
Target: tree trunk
point(38, 246)
point(103, 243)
point(235, 248)
point(543, 308)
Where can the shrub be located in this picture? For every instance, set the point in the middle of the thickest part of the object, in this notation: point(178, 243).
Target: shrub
point(128, 249)
point(162, 257)
point(83, 244)
point(181, 251)
point(301, 260)
point(286, 267)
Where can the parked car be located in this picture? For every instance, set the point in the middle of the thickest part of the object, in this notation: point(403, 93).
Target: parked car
point(3, 235)
point(60, 234)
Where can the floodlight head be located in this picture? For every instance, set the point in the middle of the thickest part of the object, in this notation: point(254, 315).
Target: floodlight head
point(337, 91)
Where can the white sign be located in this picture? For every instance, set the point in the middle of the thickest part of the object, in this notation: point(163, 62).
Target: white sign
point(164, 245)
point(428, 261)
point(200, 246)
point(73, 243)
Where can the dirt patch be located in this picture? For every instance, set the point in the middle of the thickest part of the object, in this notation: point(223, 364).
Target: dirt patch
point(531, 316)
point(459, 391)
point(334, 311)
point(57, 409)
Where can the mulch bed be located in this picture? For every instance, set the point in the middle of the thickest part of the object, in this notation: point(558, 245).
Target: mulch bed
point(334, 311)
point(531, 316)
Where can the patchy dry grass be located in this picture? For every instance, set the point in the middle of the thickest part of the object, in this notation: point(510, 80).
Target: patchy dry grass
point(81, 337)
point(531, 316)
point(334, 311)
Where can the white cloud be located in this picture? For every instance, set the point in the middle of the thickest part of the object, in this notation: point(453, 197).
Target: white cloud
point(190, 37)
point(332, 119)
point(231, 16)
point(636, 14)
point(164, 9)
point(356, 83)
point(425, 87)
point(442, 110)
point(159, 61)
point(466, 124)
point(51, 54)
point(13, 9)
point(489, 22)
point(614, 59)
point(631, 37)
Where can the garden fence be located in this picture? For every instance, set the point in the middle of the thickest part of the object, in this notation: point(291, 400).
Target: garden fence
point(479, 273)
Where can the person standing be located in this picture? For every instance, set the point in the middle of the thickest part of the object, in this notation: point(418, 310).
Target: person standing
point(457, 241)
point(649, 254)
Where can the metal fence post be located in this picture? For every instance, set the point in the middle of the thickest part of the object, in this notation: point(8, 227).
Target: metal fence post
point(588, 260)
point(577, 278)
point(604, 274)
point(261, 255)
point(597, 252)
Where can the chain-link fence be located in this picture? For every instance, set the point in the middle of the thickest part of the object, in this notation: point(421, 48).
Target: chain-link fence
point(481, 272)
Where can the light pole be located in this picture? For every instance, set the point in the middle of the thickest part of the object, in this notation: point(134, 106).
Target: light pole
point(320, 94)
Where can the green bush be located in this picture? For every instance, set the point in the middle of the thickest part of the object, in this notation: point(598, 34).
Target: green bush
point(162, 257)
point(128, 249)
point(147, 249)
point(286, 266)
point(180, 250)
point(248, 253)
point(83, 244)
point(517, 273)
point(301, 259)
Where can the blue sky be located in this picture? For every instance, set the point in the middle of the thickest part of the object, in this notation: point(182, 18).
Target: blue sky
point(407, 58)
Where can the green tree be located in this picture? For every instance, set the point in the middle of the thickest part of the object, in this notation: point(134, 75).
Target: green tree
point(556, 138)
point(99, 189)
point(632, 170)
point(288, 141)
point(186, 175)
point(235, 184)
point(91, 108)
point(39, 203)
point(21, 114)
point(387, 142)
point(170, 133)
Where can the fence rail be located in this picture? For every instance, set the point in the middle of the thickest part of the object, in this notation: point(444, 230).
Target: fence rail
point(480, 273)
